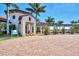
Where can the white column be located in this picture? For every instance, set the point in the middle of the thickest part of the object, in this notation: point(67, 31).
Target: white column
point(34, 28)
point(41, 29)
point(23, 28)
point(31, 28)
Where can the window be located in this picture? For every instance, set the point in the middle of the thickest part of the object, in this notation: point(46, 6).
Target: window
point(13, 16)
point(29, 19)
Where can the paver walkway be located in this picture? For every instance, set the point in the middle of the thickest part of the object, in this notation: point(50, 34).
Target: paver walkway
point(41, 45)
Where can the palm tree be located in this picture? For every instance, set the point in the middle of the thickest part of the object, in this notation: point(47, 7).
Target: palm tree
point(60, 22)
point(75, 26)
point(36, 8)
point(74, 22)
point(8, 5)
point(50, 20)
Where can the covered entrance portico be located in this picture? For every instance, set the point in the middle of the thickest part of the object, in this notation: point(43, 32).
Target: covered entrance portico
point(27, 26)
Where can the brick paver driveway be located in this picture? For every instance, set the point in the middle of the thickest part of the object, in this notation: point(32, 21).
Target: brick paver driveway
point(41, 45)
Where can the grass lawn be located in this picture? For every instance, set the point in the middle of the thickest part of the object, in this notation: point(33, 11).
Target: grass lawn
point(8, 37)
point(1, 34)
point(1, 39)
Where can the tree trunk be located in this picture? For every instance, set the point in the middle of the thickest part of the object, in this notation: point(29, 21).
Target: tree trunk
point(36, 17)
point(7, 20)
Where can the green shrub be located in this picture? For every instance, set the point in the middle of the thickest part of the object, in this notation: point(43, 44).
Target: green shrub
point(46, 30)
point(2, 34)
point(12, 26)
point(63, 30)
point(55, 30)
point(2, 27)
point(74, 29)
point(14, 35)
point(37, 29)
point(51, 31)
point(59, 31)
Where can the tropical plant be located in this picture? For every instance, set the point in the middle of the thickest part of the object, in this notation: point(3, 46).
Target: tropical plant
point(55, 29)
point(36, 8)
point(46, 30)
point(74, 22)
point(60, 22)
point(50, 20)
point(2, 28)
point(75, 27)
point(37, 29)
point(72, 30)
point(63, 30)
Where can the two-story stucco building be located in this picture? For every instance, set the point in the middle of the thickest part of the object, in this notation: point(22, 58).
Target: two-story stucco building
point(24, 21)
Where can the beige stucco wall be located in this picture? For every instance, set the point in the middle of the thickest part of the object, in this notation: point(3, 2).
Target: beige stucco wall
point(25, 19)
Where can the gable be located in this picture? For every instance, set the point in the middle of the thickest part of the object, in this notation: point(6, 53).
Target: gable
point(27, 18)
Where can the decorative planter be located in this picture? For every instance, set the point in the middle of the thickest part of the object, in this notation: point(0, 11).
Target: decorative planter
point(14, 33)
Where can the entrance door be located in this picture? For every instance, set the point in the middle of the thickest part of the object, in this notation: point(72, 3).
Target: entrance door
point(28, 28)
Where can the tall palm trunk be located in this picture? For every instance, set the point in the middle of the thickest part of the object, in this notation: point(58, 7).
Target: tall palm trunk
point(8, 20)
point(36, 18)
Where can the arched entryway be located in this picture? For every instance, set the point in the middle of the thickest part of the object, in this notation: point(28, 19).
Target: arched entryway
point(27, 25)
point(29, 28)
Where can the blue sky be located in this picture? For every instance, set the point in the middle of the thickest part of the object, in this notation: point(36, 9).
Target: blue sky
point(60, 11)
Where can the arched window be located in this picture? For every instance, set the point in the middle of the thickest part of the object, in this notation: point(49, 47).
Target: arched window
point(29, 19)
point(13, 16)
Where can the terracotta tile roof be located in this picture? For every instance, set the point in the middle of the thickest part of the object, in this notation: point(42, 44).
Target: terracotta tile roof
point(3, 19)
point(17, 11)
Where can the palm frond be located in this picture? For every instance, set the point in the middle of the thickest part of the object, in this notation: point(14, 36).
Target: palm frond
point(7, 4)
point(15, 6)
point(32, 5)
point(36, 8)
point(29, 9)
